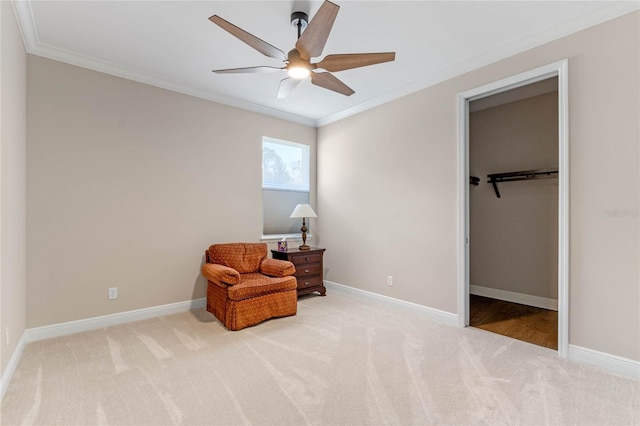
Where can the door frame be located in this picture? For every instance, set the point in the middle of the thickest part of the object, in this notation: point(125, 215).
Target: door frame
point(558, 69)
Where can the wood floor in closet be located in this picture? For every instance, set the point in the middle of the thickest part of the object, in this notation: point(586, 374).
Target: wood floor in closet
point(527, 323)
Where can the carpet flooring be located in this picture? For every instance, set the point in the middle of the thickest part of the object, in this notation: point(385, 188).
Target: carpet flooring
point(345, 359)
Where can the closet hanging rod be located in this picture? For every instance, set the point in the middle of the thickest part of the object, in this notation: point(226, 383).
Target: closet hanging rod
point(521, 175)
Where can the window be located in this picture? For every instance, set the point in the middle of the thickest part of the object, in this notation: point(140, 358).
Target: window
point(285, 183)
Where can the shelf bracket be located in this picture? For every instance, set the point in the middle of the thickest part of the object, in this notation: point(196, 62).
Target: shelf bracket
point(495, 186)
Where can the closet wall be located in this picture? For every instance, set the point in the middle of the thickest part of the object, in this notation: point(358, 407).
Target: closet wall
point(513, 239)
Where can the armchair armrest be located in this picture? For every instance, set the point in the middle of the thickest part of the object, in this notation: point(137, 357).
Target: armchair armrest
point(277, 268)
point(220, 273)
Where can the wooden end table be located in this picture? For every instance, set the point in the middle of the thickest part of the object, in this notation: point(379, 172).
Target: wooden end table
point(308, 265)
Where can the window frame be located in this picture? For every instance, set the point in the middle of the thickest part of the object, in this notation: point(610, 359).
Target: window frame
point(304, 188)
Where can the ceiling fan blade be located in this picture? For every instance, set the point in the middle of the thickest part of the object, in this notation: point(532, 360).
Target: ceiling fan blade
point(253, 41)
point(312, 41)
point(329, 81)
point(354, 60)
point(247, 70)
point(286, 86)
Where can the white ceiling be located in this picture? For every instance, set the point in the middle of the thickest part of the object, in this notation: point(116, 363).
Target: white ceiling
point(172, 44)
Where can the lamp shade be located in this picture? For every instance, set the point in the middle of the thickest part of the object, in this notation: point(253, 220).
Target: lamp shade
point(303, 210)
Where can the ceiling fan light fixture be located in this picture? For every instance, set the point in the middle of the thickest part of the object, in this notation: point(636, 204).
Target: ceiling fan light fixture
point(298, 72)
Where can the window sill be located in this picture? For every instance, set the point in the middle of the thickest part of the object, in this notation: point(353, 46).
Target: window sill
point(280, 237)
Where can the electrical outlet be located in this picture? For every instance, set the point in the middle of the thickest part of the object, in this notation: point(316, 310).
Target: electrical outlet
point(113, 293)
point(390, 281)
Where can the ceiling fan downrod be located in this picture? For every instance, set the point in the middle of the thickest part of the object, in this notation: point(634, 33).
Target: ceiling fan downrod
point(299, 20)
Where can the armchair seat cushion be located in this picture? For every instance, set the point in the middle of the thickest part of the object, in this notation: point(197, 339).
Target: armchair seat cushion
point(255, 284)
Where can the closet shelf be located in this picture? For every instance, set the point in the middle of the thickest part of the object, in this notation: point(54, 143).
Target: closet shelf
point(495, 178)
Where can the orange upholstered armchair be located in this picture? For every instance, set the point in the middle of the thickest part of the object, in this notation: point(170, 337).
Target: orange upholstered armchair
point(245, 287)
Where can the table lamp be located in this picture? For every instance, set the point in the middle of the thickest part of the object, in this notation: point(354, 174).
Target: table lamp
point(304, 211)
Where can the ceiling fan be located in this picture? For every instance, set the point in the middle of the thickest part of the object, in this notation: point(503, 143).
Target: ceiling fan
point(309, 45)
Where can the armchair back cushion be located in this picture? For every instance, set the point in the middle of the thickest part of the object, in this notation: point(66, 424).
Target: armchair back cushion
point(243, 257)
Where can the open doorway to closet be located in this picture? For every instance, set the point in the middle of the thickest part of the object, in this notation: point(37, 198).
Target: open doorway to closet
point(514, 207)
point(513, 213)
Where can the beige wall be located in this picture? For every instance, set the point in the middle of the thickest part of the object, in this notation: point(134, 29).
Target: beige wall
point(513, 240)
point(12, 179)
point(387, 187)
point(128, 184)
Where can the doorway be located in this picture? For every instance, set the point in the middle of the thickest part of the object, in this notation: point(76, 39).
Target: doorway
point(513, 213)
point(495, 272)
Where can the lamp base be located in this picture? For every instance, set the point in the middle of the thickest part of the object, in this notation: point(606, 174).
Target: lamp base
point(304, 247)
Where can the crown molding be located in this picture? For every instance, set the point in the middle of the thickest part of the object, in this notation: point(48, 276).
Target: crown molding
point(611, 12)
point(94, 64)
point(26, 24)
point(33, 46)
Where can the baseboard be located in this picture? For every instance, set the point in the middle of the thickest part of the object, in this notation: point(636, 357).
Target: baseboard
point(510, 296)
point(11, 367)
point(615, 364)
point(435, 314)
point(612, 363)
point(72, 327)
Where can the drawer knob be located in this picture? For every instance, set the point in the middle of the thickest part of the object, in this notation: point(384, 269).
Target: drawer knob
point(306, 270)
point(306, 283)
point(306, 258)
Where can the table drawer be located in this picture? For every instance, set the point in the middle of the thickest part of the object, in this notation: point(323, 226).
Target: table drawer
point(310, 258)
point(311, 269)
point(308, 282)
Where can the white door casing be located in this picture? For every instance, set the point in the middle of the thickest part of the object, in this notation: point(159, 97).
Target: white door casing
point(557, 69)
